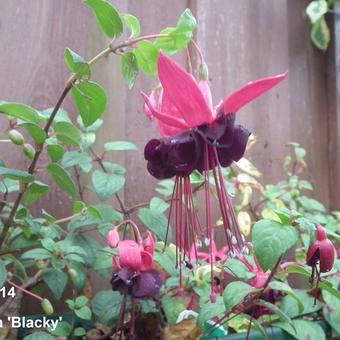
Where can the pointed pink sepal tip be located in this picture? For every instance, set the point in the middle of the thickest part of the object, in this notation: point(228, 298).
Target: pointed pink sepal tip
point(250, 92)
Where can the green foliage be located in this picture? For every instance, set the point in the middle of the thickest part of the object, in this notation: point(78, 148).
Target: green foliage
point(105, 184)
point(234, 293)
point(271, 240)
point(90, 99)
point(146, 54)
point(3, 273)
point(107, 17)
point(129, 68)
point(76, 63)
point(62, 178)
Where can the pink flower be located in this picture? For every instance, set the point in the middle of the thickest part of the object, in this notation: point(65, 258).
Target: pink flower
point(322, 251)
point(135, 255)
point(218, 255)
point(185, 103)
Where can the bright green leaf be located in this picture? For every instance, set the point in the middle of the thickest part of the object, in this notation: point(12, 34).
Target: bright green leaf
point(90, 100)
point(106, 305)
point(20, 111)
point(129, 68)
point(235, 292)
point(62, 178)
point(172, 307)
point(107, 17)
point(56, 280)
point(210, 310)
point(84, 313)
point(55, 152)
point(303, 329)
point(316, 10)
point(67, 133)
point(36, 132)
point(36, 254)
point(120, 146)
point(320, 34)
point(76, 63)
point(105, 185)
point(147, 55)
point(158, 206)
point(132, 24)
point(272, 239)
point(35, 191)
point(15, 174)
point(76, 158)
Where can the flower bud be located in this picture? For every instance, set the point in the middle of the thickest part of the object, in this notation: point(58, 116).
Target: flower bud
point(29, 151)
point(16, 137)
point(203, 72)
point(113, 238)
point(40, 264)
point(47, 307)
point(322, 251)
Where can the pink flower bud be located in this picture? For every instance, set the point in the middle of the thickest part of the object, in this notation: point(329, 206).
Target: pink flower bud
point(322, 251)
point(113, 238)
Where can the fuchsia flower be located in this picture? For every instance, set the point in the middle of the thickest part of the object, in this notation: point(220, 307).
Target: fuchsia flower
point(321, 252)
point(197, 136)
point(219, 255)
point(133, 273)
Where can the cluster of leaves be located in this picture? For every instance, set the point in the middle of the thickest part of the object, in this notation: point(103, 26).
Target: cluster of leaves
point(316, 12)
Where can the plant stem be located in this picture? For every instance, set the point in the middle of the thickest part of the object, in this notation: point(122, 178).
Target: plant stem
point(35, 296)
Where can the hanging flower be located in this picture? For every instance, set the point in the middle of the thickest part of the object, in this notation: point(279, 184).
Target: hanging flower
point(197, 136)
point(321, 253)
point(134, 274)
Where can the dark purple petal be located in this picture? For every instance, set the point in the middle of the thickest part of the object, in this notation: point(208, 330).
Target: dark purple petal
point(182, 152)
point(160, 170)
point(147, 284)
point(240, 140)
point(123, 280)
point(227, 138)
point(151, 150)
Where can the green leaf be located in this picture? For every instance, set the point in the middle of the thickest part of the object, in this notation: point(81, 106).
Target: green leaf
point(84, 313)
point(303, 329)
point(63, 329)
point(62, 178)
point(76, 63)
point(90, 100)
point(67, 133)
point(172, 307)
point(106, 305)
point(36, 254)
point(56, 280)
point(298, 270)
point(179, 36)
point(40, 336)
point(129, 68)
point(238, 269)
point(36, 132)
point(81, 301)
point(76, 158)
point(290, 306)
point(3, 273)
point(20, 111)
point(120, 146)
point(55, 152)
point(105, 185)
point(328, 287)
point(283, 287)
point(132, 24)
point(107, 17)
point(275, 309)
point(210, 310)
point(15, 174)
point(79, 331)
point(35, 191)
point(320, 34)
point(316, 10)
point(272, 239)
point(157, 223)
point(235, 292)
point(311, 204)
point(158, 206)
point(147, 55)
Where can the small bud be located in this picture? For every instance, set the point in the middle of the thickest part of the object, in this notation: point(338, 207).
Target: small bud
point(29, 151)
point(16, 137)
point(203, 72)
point(41, 264)
point(113, 238)
point(322, 251)
point(47, 307)
point(73, 274)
